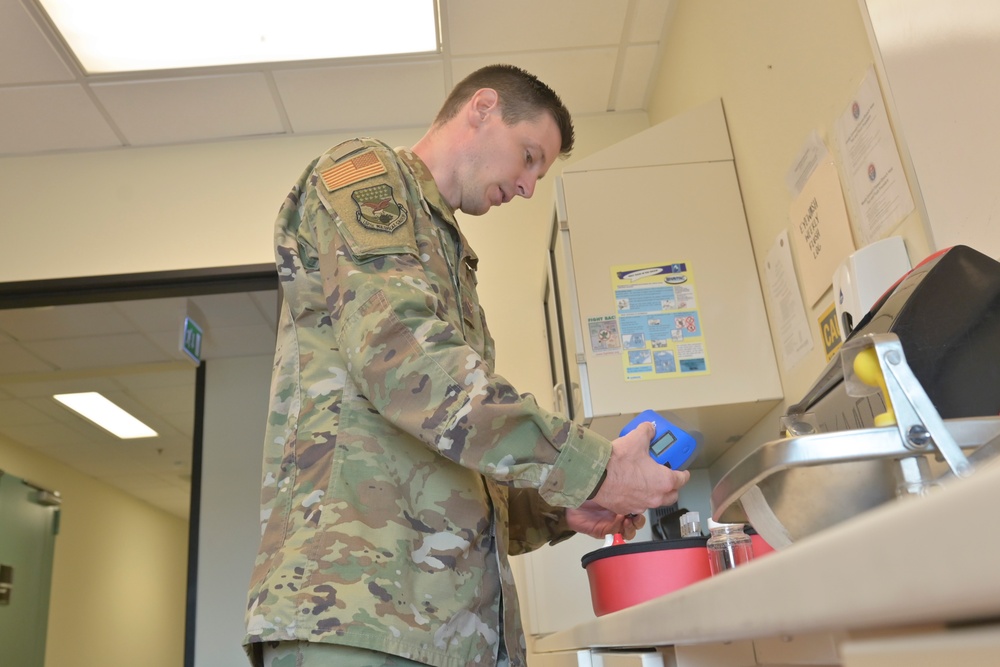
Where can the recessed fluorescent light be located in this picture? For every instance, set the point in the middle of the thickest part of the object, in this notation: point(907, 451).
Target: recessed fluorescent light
point(105, 414)
point(131, 35)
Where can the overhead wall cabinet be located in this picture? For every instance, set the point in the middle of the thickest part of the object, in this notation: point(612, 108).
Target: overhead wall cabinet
point(658, 291)
point(653, 303)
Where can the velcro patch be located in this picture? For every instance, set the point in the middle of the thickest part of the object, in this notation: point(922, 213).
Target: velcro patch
point(378, 209)
point(351, 171)
point(373, 217)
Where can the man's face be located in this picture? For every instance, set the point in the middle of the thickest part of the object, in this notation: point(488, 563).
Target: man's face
point(507, 160)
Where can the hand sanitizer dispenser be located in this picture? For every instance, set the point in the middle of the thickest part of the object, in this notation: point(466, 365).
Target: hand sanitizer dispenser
point(864, 276)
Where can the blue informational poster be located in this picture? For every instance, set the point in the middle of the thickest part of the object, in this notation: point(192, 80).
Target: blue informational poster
point(658, 321)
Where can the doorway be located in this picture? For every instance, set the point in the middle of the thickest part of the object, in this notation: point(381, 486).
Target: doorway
point(115, 331)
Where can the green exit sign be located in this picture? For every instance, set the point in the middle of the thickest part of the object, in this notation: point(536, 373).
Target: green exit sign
point(191, 335)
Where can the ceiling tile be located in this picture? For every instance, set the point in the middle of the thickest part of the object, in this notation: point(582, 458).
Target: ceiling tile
point(40, 393)
point(26, 55)
point(529, 25)
point(49, 322)
point(582, 78)
point(362, 98)
point(174, 375)
point(267, 303)
point(633, 85)
point(105, 461)
point(19, 413)
point(165, 111)
point(166, 459)
point(649, 20)
point(182, 422)
point(149, 315)
point(95, 351)
point(15, 359)
point(226, 342)
point(228, 310)
point(42, 435)
point(49, 118)
point(173, 398)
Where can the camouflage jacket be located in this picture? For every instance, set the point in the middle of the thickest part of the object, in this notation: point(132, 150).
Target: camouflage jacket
point(399, 470)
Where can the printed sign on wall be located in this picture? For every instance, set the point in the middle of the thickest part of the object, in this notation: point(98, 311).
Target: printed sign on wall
point(659, 322)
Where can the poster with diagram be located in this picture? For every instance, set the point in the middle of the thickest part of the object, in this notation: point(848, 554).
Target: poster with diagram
point(659, 322)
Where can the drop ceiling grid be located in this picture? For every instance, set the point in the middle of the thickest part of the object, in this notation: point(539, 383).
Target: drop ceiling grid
point(580, 47)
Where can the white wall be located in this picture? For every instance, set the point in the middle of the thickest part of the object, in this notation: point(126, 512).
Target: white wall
point(939, 61)
point(149, 209)
point(783, 69)
point(236, 397)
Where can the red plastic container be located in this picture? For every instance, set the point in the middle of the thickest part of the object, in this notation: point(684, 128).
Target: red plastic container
point(627, 574)
point(760, 547)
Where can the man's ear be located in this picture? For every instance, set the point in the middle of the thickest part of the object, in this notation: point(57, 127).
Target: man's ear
point(483, 102)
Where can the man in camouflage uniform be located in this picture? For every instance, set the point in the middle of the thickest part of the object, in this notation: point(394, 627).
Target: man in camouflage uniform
point(400, 471)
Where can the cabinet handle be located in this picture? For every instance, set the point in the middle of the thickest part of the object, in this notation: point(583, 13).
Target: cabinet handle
point(559, 398)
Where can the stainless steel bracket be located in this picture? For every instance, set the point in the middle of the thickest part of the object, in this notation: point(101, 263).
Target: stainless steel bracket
point(919, 425)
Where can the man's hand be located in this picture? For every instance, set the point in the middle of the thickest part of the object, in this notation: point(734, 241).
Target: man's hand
point(596, 521)
point(635, 482)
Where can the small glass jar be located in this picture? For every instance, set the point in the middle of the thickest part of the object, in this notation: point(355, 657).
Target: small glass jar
point(728, 546)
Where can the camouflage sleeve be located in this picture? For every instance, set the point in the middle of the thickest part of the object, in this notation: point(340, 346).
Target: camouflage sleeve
point(407, 354)
point(533, 523)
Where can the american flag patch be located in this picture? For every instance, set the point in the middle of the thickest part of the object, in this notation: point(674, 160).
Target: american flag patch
point(353, 170)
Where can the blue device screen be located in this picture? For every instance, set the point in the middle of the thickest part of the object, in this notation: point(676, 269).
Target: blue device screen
point(671, 446)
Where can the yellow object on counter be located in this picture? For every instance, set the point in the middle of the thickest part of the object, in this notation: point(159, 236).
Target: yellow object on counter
point(867, 368)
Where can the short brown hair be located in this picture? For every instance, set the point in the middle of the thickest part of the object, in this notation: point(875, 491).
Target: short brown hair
point(522, 97)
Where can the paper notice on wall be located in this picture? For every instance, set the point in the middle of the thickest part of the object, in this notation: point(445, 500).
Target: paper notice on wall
point(604, 336)
point(659, 320)
point(875, 182)
point(821, 231)
point(812, 153)
point(786, 302)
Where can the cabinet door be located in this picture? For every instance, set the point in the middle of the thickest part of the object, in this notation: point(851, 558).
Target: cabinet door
point(567, 314)
point(554, 334)
point(690, 214)
point(557, 595)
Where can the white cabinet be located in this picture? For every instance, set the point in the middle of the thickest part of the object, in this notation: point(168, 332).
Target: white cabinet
point(664, 196)
point(700, 349)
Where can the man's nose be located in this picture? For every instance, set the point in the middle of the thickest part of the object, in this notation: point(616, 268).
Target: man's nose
point(526, 186)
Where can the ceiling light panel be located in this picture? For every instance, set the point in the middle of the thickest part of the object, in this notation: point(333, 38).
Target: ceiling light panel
point(131, 35)
point(105, 414)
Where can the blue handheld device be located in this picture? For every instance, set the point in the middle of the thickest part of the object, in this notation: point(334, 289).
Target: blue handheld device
point(671, 446)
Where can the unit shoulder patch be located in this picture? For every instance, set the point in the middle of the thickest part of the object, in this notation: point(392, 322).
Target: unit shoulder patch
point(366, 195)
point(378, 208)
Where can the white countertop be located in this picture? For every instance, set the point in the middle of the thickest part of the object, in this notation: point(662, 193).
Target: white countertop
point(921, 560)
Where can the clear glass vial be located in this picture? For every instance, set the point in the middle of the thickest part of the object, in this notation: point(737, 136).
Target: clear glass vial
point(728, 546)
